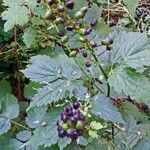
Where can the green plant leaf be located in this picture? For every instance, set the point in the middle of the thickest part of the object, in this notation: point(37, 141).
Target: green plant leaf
point(9, 110)
point(10, 144)
point(131, 6)
point(29, 36)
point(23, 135)
point(35, 116)
point(61, 75)
point(143, 144)
point(103, 108)
point(130, 48)
point(5, 88)
point(19, 11)
point(47, 134)
point(130, 83)
point(130, 137)
point(63, 142)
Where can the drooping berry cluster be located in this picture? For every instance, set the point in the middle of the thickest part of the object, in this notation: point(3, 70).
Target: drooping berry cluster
point(72, 122)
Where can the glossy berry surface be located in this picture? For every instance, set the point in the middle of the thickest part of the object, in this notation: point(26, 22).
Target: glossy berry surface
point(93, 22)
point(61, 32)
point(76, 105)
point(85, 54)
point(70, 28)
point(70, 4)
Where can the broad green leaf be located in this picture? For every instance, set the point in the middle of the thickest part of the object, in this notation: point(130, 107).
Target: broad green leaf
point(130, 83)
point(96, 144)
point(93, 12)
point(15, 14)
point(9, 110)
point(42, 69)
point(130, 48)
point(63, 142)
point(104, 108)
point(130, 137)
point(5, 88)
point(23, 135)
point(61, 75)
point(31, 89)
point(131, 6)
point(143, 144)
point(10, 144)
point(35, 116)
point(29, 36)
point(46, 135)
point(73, 146)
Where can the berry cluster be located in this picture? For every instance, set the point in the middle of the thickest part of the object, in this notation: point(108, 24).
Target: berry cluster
point(72, 122)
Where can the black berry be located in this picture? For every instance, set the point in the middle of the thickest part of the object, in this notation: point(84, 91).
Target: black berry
point(70, 4)
point(107, 41)
point(60, 8)
point(94, 22)
point(88, 64)
point(62, 133)
point(76, 105)
point(88, 31)
point(85, 54)
point(70, 28)
point(61, 32)
point(38, 1)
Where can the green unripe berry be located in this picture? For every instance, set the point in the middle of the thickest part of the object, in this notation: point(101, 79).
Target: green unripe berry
point(84, 10)
point(79, 125)
point(64, 39)
point(82, 31)
point(47, 14)
point(73, 54)
point(86, 109)
point(81, 39)
point(65, 126)
point(78, 15)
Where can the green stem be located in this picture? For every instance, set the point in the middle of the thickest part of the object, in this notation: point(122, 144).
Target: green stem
point(99, 65)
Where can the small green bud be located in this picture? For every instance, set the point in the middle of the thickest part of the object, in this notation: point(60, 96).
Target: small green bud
point(79, 125)
point(65, 126)
point(78, 15)
point(47, 14)
point(64, 39)
point(82, 31)
point(73, 54)
point(84, 10)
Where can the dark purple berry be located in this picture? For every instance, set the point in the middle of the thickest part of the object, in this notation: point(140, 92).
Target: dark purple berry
point(62, 133)
point(52, 17)
point(38, 1)
point(68, 108)
point(93, 44)
point(107, 41)
point(72, 119)
point(88, 31)
point(50, 2)
point(76, 105)
point(76, 112)
point(88, 64)
point(64, 117)
point(81, 117)
point(70, 113)
point(76, 116)
point(85, 54)
point(70, 4)
point(61, 32)
point(60, 8)
point(63, 20)
point(70, 133)
point(93, 22)
point(70, 28)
